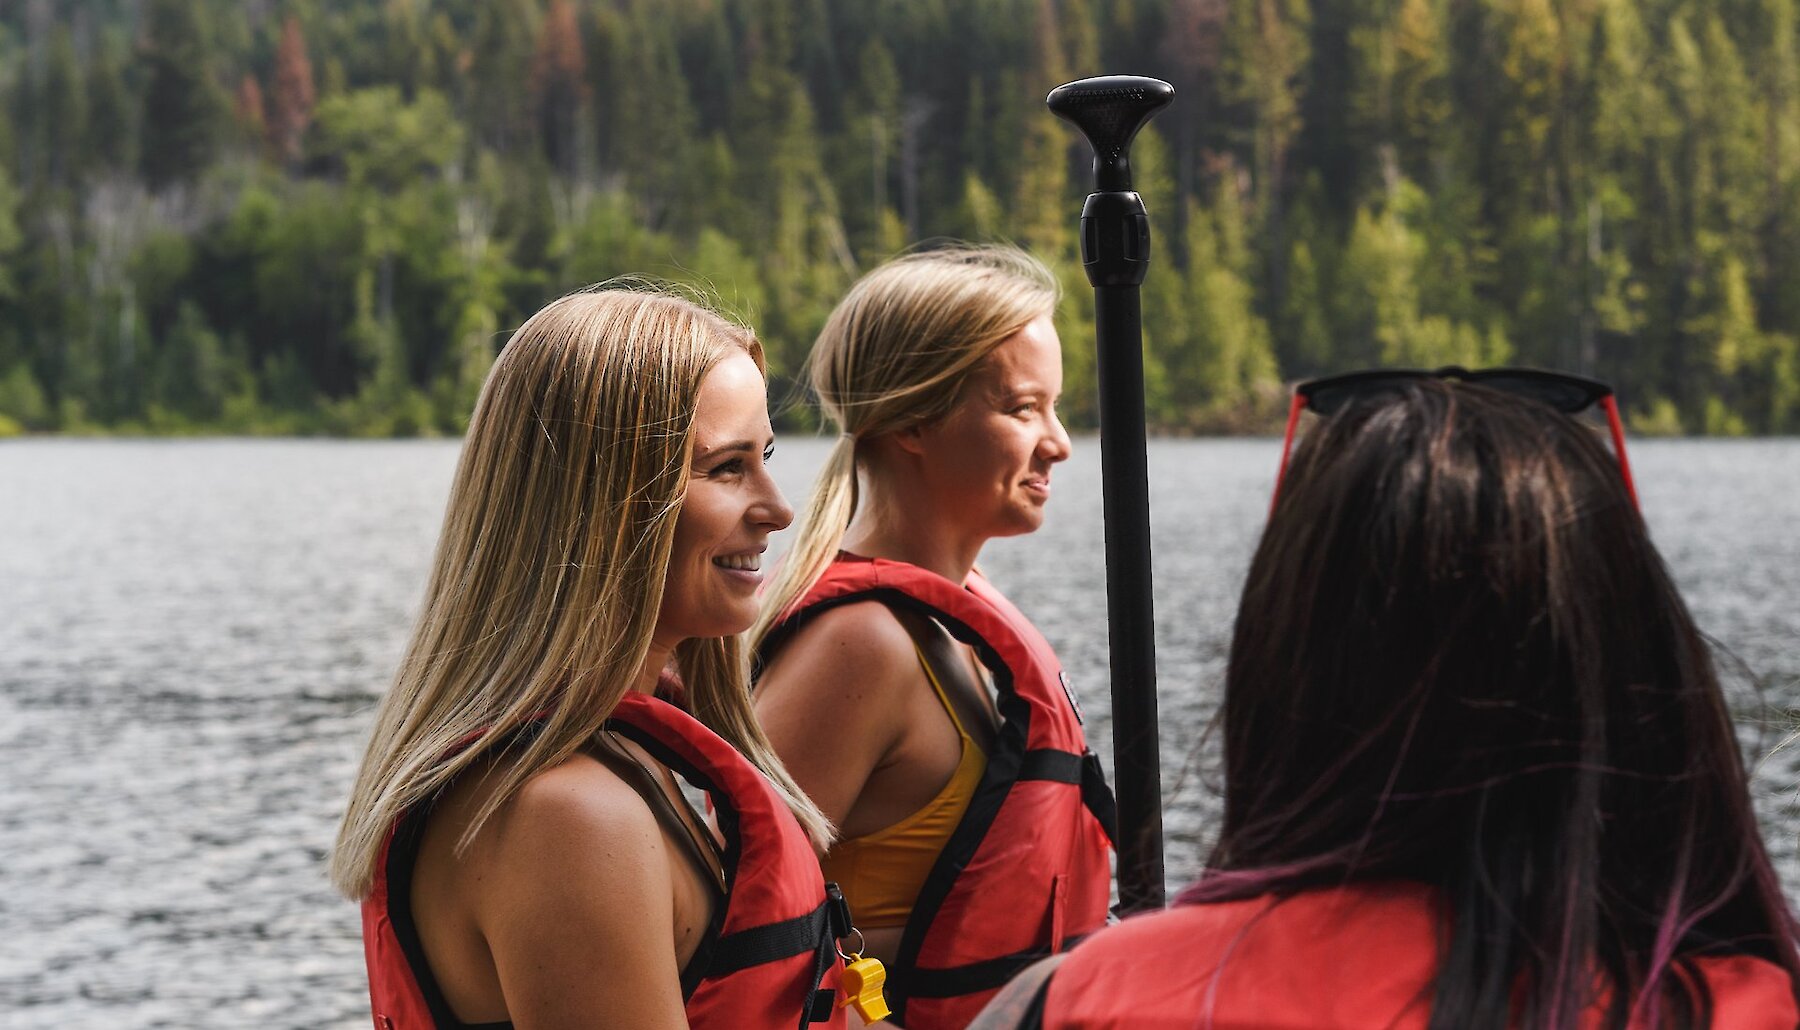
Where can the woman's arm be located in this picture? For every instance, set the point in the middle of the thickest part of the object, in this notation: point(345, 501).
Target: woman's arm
point(834, 700)
point(576, 901)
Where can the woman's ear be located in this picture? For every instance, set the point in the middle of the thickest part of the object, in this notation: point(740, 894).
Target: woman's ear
point(912, 438)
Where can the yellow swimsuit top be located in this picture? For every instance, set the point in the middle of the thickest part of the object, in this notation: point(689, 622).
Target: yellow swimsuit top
point(881, 873)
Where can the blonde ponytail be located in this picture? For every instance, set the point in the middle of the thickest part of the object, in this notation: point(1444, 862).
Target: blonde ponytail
point(895, 353)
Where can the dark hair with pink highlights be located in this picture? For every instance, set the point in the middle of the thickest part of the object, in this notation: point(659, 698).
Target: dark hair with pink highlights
point(1459, 660)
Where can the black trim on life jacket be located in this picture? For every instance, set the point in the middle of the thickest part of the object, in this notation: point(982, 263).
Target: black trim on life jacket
point(756, 945)
point(403, 855)
point(973, 978)
point(770, 943)
point(402, 860)
point(1008, 763)
point(1083, 769)
point(985, 975)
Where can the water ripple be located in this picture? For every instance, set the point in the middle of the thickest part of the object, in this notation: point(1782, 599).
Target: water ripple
point(193, 634)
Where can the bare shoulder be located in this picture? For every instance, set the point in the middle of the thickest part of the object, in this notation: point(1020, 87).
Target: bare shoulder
point(578, 799)
point(834, 701)
point(576, 873)
point(853, 649)
point(577, 828)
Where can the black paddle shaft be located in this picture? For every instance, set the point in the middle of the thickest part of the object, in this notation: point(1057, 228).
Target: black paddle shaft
point(1115, 250)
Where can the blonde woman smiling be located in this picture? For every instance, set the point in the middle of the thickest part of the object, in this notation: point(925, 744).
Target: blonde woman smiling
point(516, 836)
point(922, 712)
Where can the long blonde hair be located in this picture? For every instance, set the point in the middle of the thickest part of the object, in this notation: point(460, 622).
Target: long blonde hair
point(895, 353)
point(550, 568)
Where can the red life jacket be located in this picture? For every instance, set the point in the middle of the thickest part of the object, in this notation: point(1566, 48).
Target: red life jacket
point(1027, 869)
point(770, 962)
point(1347, 958)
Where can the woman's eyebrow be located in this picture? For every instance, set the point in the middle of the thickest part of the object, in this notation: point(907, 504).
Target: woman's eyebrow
point(734, 447)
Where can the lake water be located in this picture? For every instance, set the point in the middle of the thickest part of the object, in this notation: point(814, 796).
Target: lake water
point(192, 635)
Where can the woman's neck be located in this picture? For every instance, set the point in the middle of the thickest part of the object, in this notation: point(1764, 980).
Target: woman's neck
point(896, 522)
point(654, 663)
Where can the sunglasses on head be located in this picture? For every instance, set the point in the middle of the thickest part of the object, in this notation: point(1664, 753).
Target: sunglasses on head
point(1566, 393)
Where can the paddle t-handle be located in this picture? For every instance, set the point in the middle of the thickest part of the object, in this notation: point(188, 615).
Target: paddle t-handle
point(1109, 110)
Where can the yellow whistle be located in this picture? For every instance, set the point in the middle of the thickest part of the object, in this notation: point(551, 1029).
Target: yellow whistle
point(862, 982)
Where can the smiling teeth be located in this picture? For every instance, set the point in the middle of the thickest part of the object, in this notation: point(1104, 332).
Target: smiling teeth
point(742, 562)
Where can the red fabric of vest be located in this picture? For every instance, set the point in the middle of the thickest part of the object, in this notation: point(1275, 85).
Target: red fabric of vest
point(1339, 959)
point(1028, 867)
point(774, 965)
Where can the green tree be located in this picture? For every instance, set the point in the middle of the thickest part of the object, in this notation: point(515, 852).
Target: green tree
point(193, 374)
point(559, 89)
point(65, 112)
point(383, 142)
point(184, 108)
point(111, 122)
point(499, 89)
point(294, 95)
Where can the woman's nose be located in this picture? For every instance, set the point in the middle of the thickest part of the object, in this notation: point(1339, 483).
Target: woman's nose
point(1056, 445)
point(773, 509)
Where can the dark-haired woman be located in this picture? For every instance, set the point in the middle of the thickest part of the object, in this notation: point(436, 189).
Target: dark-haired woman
point(1479, 772)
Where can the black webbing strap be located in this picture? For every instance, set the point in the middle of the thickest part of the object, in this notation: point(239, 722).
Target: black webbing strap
point(821, 1001)
point(771, 943)
point(976, 977)
point(973, 978)
point(1047, 763)
point(1084, 769)
point(1098, 797)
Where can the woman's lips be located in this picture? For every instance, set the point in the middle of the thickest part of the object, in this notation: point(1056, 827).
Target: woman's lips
point(744, 567)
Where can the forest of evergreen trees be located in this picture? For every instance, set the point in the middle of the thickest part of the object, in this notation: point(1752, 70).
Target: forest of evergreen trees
point(299, 216)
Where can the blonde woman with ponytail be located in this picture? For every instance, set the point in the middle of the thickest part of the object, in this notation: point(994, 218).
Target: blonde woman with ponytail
point(917, 707)
point(516, 834)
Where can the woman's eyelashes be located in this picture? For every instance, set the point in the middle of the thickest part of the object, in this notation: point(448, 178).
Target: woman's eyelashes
point(1028, 406)
point(736, 466)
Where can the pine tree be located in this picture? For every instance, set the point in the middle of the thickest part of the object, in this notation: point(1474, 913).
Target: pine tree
point(868, 148)
point(111, 124)
point(64, 112)
point(1040, 211)
point(559, 88)
point(1420, 85)
point(292, 110)
point(249, 111)
point(184, 109)
point(1229, 372)
point(499, 63)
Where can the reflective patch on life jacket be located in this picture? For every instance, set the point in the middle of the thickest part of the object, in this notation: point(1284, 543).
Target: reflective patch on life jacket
point(1069, 692)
